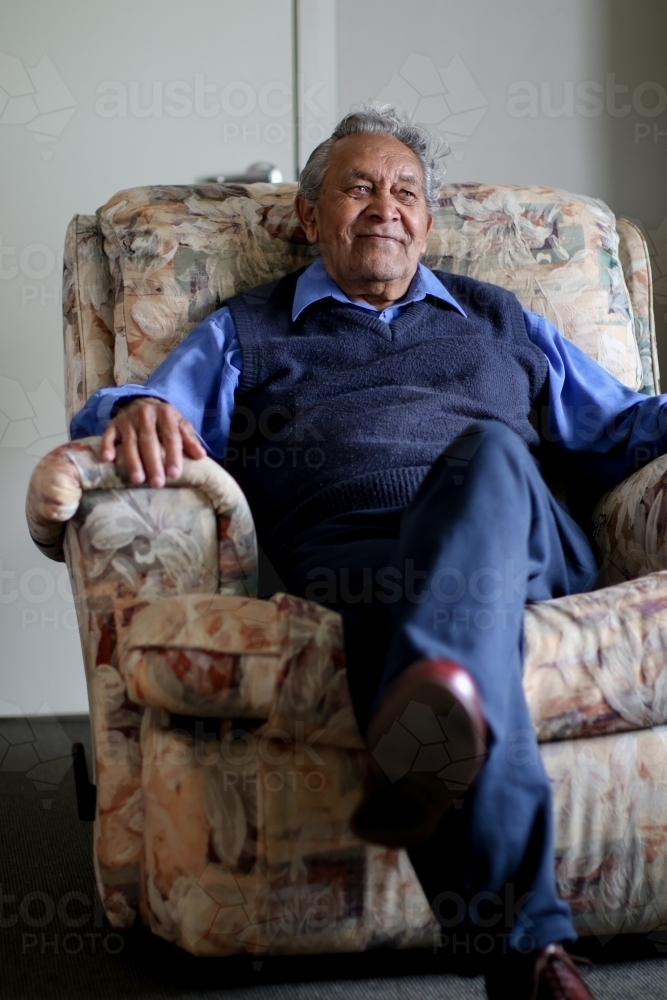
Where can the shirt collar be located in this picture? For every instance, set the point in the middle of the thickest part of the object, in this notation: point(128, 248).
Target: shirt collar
point(315, 284)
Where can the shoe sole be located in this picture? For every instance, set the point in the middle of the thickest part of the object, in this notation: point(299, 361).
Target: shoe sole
point(427, 743)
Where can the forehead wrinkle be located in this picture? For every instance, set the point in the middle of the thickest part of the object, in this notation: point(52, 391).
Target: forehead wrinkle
point(366, 175)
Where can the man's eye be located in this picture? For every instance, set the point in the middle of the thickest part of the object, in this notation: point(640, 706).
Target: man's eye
point(408, 195)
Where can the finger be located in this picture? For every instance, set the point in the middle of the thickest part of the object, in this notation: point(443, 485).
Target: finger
point(131, 457)
point(172, 441)
point(108, 443)
point(192, 446)
point(149, 446)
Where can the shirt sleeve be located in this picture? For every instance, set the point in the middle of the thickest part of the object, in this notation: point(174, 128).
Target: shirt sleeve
point(609, 430)
point(199, 378)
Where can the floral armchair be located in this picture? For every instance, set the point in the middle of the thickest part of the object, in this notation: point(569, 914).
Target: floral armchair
point(227, 758)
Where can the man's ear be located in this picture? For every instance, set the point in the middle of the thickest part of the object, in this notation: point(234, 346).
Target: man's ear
point(306, 216)
point(429, 224)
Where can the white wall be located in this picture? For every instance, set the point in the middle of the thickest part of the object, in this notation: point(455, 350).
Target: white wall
point(493, 52)
point(134, 47)
point(316, 68)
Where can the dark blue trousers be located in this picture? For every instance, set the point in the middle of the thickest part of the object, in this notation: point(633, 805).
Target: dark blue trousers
point(449, 576)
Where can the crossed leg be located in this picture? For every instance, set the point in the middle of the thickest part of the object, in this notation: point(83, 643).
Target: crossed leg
point(449, 577)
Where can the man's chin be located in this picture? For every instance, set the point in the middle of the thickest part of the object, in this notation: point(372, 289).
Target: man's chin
point(376, 268)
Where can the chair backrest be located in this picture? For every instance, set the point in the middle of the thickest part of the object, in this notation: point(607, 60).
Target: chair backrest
point(157, 260)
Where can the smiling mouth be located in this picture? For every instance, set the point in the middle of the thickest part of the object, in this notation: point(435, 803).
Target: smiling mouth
point(376, 236)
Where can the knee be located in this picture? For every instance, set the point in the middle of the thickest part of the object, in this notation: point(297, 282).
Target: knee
point(495, 432)
point(488, 437)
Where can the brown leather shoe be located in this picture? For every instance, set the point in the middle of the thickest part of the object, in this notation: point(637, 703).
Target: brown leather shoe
point(427, 742)
point(551, 974)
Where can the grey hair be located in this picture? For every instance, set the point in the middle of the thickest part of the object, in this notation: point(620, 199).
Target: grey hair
point(379, 119)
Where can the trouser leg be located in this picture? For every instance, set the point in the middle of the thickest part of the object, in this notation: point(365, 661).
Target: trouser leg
point(342, 563)
point(484, 535)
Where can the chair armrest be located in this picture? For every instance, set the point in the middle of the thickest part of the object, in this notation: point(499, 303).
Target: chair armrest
point(630, 522)
point(126, 548)
point(62, 477)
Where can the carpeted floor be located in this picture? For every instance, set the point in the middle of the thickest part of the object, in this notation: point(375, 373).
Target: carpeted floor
point(54, 943)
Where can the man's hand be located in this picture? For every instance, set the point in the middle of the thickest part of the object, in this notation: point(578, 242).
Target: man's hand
point(140, 428)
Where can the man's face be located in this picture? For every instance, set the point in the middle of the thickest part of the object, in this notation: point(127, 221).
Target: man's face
point(370, 219)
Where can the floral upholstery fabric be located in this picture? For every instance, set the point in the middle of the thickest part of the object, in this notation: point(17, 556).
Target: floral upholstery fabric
point(558, 252)
point(244, 854)
point(125, 549)
point(176, 253)
point(248, 849)
point(87, 313)
point(61, 478)
point(237, 657)
point(610, 809)
point(636, 264)
point(629, 524)
point(248, 845)
point(595, 663)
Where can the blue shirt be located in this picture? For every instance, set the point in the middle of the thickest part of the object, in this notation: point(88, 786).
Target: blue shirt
point(590, 414)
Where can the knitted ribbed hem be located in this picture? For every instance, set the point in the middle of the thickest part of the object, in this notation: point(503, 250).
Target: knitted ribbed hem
point(375, 491)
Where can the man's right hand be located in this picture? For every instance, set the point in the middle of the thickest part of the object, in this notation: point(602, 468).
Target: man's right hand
point(140, 428)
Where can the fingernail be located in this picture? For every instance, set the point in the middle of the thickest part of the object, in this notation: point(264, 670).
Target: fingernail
point(157, 482)
point(172, 472)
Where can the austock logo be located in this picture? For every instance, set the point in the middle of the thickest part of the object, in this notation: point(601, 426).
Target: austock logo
point(219, 903)
point(31, 421)
point(446, 98)
point(37, 98)
point(40, 748)
point(419, 741)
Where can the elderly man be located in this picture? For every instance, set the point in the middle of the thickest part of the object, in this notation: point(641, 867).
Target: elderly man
point(391, 473)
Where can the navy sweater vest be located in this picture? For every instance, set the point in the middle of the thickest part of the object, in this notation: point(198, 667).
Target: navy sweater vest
point(340, 411)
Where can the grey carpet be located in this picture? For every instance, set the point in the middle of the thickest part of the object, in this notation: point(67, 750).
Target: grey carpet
point(57, 945)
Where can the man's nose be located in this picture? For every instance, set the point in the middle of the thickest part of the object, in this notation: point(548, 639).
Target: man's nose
point(383, 206)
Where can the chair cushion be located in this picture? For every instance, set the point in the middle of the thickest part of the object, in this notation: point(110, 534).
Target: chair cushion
point(595, 663)
point(176, 253)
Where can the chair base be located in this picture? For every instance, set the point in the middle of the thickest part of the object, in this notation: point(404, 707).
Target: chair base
point(86, 793)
